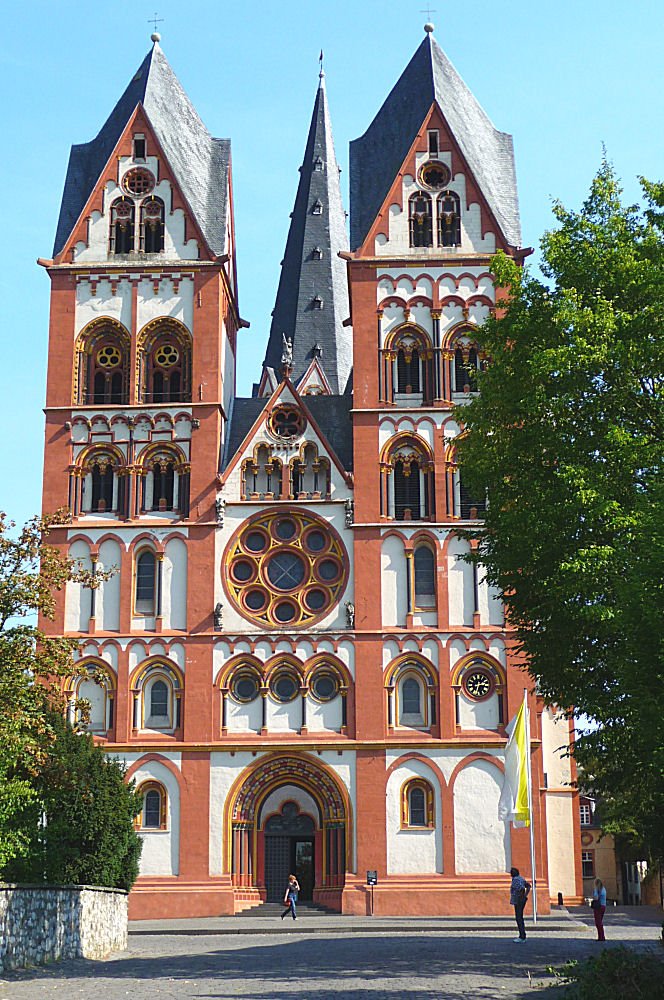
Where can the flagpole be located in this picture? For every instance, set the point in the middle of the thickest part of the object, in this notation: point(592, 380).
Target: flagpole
point(530, 804)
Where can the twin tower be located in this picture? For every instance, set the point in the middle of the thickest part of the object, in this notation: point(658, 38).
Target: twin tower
point(298, 666)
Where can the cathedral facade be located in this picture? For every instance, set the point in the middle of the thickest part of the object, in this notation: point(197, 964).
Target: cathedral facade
point(299, 668)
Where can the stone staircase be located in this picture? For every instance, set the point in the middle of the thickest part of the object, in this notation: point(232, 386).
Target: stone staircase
point(274, 910)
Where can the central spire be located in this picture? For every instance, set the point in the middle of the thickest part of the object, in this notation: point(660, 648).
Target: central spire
point(312, 298)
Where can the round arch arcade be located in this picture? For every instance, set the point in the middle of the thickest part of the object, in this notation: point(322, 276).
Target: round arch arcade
point(288, 813)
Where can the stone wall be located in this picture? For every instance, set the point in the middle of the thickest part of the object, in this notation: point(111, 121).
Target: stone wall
point(41, 923)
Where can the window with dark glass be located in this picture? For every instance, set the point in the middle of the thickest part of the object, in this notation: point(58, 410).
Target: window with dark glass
point(424, 566)
point(406, 491)
point(419, 217)
point(163, 485)
point(468, 501)
point(102, 488)
point(152, 225)
point(122, 226)
point(152, 810)
point(408, 371)
point(417, 807)
point(159, 700)
point(166, 363)
point(145, 583)
point(449, 219)
point(410, 697)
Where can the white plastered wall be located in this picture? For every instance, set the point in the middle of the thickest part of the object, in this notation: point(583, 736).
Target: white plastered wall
point(482, 841)
point(561, 805)
point(161, 848)
point(412, 851)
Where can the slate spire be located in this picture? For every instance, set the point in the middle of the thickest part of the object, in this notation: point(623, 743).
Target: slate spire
point(199, 162)
point(312, 297)
point(377, 156)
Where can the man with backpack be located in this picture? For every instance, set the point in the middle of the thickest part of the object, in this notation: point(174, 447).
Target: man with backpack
point(519, 890)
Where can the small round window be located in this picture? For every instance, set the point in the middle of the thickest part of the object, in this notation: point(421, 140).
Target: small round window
point(138, 181)
point(166, 355)
point(286, 422)
point(284, 687)
point(324, 687)
point(108, 357)
point(245, 687)
point(435, 175)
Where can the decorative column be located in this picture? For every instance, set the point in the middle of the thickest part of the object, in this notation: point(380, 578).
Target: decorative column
point(303, 695)
point(92, 624)
point(264, 694)
point(437, 359)
point(159, 617)
point(224, 710)
point(381, 397)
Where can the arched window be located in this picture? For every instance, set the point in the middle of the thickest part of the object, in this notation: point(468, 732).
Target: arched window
point(407, 492)
point(417, 808)
point(159, 700)
point(122, 226)
point(102, 364)
point(419, 220)
point(152, 225)
point(165, 363)
point(261, 476)
point(102, 488)
point(466, 366)
point(310, 475)
point(424, 573)
point(449, 219)
point(163, 482)
point(411, 697)
point(154, 814)
point(471, 506)
point(409, 482)
point(408, 371)
point(144, 597)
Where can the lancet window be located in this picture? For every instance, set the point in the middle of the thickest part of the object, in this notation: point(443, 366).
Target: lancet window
point(424, 577)
point(420, 220)
point(123, 214)
point(152, 225)
point(449, 219)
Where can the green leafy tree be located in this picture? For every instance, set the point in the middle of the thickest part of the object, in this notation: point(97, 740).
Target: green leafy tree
point(81, 820)
point(32, 665)
point(567, 440)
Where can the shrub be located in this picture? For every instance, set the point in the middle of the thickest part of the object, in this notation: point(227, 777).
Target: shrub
point(614, 974)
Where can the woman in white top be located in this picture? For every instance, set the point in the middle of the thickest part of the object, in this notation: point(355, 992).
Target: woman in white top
point(599, 907)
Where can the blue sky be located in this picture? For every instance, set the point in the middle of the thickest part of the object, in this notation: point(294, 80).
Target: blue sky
point(563, 78)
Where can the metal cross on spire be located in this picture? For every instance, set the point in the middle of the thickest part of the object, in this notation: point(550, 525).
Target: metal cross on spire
point(428, 11)
point(320, 60)
point(156, 20)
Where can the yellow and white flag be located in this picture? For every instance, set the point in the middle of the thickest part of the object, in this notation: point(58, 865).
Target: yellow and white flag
point(513, 804)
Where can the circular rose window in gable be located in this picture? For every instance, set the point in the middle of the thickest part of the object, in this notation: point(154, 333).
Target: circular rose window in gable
point(285, 570)
point(138, 181)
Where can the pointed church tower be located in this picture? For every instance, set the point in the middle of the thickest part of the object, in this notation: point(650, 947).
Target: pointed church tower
point(312, 298)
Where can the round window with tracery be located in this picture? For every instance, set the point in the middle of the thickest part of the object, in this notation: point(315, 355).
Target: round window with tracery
point(286, 422)
point(166, 355)
point(285, 570)
point(108, 357)
point(138, 181)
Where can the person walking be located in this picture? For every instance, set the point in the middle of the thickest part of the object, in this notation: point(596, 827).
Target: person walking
point(599, 907)
point(519, 890)
point(290, 897)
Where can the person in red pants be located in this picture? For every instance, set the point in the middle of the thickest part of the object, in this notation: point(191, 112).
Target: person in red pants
point(599, 908)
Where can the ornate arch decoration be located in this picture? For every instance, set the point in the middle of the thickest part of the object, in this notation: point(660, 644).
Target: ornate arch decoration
point(483, 660)
point(103, 454)
point(273, 770)
point(302, 464)
point(413, 447)
point(330, 662)
point(158, 759)
point(154, 452)
point(153, 664)
point(263, 469)
point(407, 662)
point(283, 661)
point(164, 350)
point(416, 335)
point(92, 668)
point(101, 353)
point(465, 330)
point(243, 661)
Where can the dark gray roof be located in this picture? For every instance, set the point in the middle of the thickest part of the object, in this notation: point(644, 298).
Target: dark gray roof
point(377, 156)
point(331, 413)
point(199, 162)
point(304, 276)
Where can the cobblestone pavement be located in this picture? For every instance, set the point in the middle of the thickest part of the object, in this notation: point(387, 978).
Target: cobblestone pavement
point(377, 964)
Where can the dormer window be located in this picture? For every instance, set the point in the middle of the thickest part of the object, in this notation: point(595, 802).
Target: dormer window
point(139, 147)
point(317, 208)
point(433, 142)
point(317, 302)
point(318, 164)
point(316, 253)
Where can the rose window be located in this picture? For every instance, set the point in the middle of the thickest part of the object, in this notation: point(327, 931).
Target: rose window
point(166, 355)
point(138, 181)
point(285, 570)
point(286, 422)
point(108, 357)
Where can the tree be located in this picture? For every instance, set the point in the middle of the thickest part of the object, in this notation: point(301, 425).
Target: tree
point(87, 836)
point(567, 440)
point(32, 666)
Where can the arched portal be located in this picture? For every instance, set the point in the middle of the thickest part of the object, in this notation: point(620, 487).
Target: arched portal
point(287, 813)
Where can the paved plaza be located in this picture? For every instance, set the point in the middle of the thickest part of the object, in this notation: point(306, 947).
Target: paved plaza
point(332, 958)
